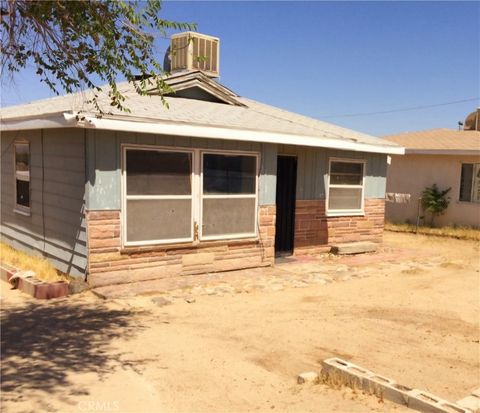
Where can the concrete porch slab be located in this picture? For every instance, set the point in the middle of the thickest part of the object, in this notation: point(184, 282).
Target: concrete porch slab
point(354, 248)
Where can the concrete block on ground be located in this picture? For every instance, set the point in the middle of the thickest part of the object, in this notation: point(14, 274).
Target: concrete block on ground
point(6, 272)
point(471, 402)
point(429, 403)
point(308, 377)
point(355, 376)
point(353, 248)
point(28, 284)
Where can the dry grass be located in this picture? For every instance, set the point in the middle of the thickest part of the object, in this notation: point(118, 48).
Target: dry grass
point(337, 380)
point(43, 269)
point(452, 232)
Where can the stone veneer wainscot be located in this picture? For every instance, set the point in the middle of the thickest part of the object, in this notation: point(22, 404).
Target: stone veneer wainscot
point(315, 231)
point(110, 263)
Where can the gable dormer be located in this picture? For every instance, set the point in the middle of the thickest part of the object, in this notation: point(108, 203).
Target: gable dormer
point(196, 85)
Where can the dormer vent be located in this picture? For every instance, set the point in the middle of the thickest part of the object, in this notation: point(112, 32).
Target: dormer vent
point(190, 51)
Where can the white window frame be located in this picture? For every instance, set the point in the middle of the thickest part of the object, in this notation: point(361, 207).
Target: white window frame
point(345, 212)
point(476, 168)
point(126, 197)
point(197, 195)
point(22, 209)
point(238, 196)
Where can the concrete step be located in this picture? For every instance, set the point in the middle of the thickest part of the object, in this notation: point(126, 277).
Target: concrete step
point(354, 248)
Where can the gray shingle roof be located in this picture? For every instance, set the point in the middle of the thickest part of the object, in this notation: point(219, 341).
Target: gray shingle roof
point(253, 116)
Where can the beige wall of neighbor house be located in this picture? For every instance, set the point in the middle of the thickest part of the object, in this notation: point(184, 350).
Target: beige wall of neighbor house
point(413, 173)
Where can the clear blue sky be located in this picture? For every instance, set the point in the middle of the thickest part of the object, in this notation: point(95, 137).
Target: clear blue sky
point(334, 58)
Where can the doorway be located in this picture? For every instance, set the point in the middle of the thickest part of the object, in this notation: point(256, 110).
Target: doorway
point(285, 201)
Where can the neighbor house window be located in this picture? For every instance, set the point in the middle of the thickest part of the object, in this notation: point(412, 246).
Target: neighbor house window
point(229, 196)
point(22, 177)
point(345, 188)
point(158, 196)
point(187, 195)
point(470, 182)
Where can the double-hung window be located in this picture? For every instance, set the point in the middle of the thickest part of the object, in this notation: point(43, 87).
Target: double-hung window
point(470, 182)
point(22, 177)
point(345, 187)
point(158, 196)
point(229, 201)
point(176, 195)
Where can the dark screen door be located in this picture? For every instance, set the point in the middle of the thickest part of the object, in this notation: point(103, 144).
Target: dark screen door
point(286, 184)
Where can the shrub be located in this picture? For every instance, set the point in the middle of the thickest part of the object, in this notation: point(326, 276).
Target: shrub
point(435, 201)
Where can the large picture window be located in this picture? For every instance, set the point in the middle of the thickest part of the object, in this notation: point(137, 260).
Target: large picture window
point(229, 201)
point(185, 195)
point(470, 182)
point(345, 187)
point(158, 196)
point(22, 177)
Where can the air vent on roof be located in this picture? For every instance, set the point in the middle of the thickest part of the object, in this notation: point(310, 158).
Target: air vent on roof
point(195, 51)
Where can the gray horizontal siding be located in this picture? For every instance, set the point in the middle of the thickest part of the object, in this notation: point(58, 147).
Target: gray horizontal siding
point(56, 227)
point(312, 170)
point(104, 162)
point(104, 165)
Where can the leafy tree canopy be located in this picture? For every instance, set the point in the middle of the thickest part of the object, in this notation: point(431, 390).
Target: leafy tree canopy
point(73, 43)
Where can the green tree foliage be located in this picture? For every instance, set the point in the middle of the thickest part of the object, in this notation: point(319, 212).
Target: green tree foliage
point(435, 201)
point(74, 43)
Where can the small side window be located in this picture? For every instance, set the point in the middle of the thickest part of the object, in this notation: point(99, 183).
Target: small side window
point(22, 177)
point(346, 186)
point(470, 183)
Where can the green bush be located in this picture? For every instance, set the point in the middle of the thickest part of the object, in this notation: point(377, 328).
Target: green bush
point(435, 201)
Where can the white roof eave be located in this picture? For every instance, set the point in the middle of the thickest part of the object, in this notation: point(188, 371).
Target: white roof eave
point(459, 152)
point(192, 130)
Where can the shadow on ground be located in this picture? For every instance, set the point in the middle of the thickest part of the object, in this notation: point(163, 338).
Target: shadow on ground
point(41, 344)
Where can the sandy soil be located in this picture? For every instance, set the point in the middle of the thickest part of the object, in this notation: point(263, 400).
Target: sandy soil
point(416, 323)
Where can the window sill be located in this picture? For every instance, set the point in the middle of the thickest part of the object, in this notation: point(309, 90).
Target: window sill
point(468, 202)
point(345, 213)
point(187, 245)
point(22, 212)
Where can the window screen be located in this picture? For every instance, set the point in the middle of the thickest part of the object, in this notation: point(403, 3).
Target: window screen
point(158, 173)
point(343, 173)
point(169, 194)
point(22, 175)
point(228, 216)
point(158, 219)
point(158, 196)
point(345, 198)
point(225, 174)
point(229, 195)
point(345, 192)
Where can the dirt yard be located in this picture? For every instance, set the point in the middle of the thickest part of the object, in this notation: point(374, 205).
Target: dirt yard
point(409, 312)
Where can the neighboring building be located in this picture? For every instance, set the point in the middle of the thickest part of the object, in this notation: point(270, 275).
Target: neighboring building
point(214, 182)
point(448, 158)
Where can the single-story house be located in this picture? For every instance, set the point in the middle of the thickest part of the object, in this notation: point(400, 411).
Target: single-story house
point(445, 157)
point(213, 182)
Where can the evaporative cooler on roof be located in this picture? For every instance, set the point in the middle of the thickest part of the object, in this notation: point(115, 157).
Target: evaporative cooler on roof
point(195, 51)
